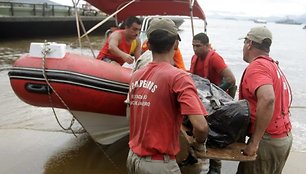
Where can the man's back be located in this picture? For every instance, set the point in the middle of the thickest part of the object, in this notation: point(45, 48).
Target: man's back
point(160, 95)
point(155, 88)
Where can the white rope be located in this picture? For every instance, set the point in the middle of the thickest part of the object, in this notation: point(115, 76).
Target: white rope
point(191, 3)
point(77, 21)
point(46, 51)
point(87, 37)
point(106, 19)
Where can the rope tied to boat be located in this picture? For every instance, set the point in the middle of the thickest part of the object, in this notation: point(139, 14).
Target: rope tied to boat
point(46, 50)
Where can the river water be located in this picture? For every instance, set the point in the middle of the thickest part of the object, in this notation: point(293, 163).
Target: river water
point(33, 142)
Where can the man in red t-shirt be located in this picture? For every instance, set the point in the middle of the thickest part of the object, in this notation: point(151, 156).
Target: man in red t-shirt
point(267, 90)
point(208, 64)
point(123, 45)
point(160, 95)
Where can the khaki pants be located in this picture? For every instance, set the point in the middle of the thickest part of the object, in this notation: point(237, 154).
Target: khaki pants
point(271, 156)
point(145, 165)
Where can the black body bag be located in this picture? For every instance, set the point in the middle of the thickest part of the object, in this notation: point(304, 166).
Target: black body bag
point(228, 120)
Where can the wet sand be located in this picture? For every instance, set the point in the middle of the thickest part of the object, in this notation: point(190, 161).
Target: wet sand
point(32, 142)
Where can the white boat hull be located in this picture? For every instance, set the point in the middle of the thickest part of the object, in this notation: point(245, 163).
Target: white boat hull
point(103, 128)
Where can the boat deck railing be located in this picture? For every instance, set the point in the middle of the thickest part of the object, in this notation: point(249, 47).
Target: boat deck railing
point(9, 9)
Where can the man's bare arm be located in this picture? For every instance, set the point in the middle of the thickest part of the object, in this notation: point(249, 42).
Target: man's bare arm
point(264, 113)
point(200, 127)
point(229, 79)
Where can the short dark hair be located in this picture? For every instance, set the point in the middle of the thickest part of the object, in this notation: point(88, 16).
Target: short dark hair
point(130, 20)
point(265, 45)
point(202, 37)
point(160, 41)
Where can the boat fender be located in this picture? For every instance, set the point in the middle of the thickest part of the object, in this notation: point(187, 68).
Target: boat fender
point(56, 50)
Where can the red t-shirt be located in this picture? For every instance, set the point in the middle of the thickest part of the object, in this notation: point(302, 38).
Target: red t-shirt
point(215, 64)
point(160, 95)
point(260, 72)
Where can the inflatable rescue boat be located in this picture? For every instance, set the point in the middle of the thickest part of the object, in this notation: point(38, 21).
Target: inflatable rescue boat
point(93, 90)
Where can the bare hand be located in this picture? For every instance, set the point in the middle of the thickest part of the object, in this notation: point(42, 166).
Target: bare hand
point(250, 150)
point(200, 147)
point(129, 59)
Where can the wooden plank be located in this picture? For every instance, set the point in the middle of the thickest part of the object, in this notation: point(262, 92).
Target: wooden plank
point(231, 152)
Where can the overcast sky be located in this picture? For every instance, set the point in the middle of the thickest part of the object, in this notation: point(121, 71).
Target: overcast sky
point(261, 8)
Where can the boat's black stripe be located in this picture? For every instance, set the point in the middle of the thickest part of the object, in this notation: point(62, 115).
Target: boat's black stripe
point(70, 78)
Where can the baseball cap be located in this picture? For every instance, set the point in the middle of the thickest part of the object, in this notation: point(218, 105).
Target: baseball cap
point(163, 24)
point(258, 34)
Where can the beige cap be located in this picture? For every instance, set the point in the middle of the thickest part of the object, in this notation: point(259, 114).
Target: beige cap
point(258, 34)
point(163, 24)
